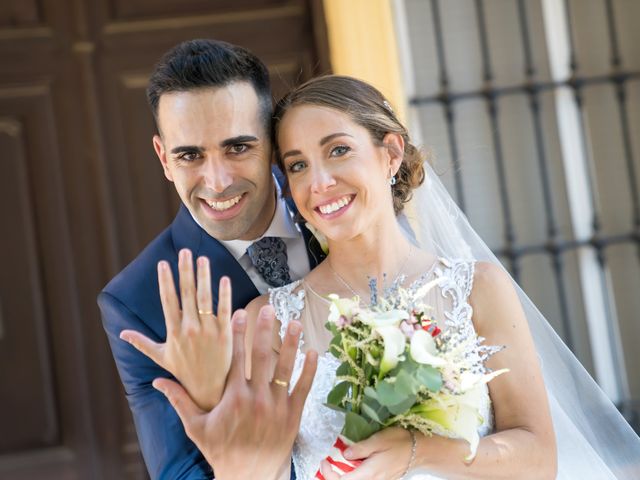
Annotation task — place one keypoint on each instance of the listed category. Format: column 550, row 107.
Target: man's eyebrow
column 328, row 138
column 239, row 139
column 187, row 148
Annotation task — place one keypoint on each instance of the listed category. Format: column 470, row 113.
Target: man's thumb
column 190, row 414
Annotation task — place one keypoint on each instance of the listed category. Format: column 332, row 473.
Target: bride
column 350, row 168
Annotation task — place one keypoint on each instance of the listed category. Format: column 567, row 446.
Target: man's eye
column 296, row 166
column 239, row 148
column 189, row 156
column 339, row 150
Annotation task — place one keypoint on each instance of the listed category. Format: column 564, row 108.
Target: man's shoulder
column 139, row 275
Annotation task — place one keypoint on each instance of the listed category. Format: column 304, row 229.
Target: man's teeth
column 332, row 207
column 227, row 204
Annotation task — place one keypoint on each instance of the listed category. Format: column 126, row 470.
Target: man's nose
column 217, row 175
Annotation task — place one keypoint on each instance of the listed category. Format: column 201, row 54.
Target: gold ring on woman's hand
column 205, row 312
column 281, row 383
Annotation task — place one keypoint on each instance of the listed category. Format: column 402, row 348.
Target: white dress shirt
column 284, row 227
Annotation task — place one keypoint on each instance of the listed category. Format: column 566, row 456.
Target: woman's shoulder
column 489, row 279
column 494, row 299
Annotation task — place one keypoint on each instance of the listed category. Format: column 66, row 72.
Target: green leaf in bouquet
column 344, row 369
column 368, row 370
column 372, row 409
column 429, row 377
column 337, row 408
column 331, row 327
column 406, row 384
column 387, row 394
column 357, row 428
column 408, row 365
column 370, row 392
column 335, row 346
column 338, row 392
column 403, row 406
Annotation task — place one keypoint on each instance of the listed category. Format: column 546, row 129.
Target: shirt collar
column 282, row 226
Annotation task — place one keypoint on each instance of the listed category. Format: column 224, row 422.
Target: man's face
column 214, row 148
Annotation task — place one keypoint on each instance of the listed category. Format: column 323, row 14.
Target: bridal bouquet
column 398, row 368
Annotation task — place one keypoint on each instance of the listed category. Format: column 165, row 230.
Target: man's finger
column 168, row 298
column 239, row 327
column 224, row 304
column 301, row 390
column 287, row 356
column 187, row 288
column 145, row 345
column 261, row 347
column 203, row 290
column 191, row 416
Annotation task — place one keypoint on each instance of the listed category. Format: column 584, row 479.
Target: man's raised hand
column 197, row 350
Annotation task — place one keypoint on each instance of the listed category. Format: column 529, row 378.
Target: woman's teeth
column 227, row 204
column 332, row 207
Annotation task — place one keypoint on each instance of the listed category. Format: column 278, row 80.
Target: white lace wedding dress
column 320, row 425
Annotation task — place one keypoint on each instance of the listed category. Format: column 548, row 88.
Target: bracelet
column 413, row 454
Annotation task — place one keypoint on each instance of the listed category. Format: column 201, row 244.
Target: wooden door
column 81, row 193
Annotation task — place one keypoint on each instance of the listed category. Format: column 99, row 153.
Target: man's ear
column 395, row 150
column 158, row 146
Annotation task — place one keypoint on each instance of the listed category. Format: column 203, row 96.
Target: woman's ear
column 395, row 148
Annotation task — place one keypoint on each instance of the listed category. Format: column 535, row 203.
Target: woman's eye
column 339, row 150
column 295, row 166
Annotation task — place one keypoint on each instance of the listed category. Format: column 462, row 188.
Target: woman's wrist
column 412, row 458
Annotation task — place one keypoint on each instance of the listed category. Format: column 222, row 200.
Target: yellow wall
column 363, row 44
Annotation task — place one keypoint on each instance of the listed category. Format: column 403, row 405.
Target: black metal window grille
column 498, row 128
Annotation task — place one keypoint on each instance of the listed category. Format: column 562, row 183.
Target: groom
column 212, row 105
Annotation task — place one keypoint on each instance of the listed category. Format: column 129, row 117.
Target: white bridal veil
column 594, row 440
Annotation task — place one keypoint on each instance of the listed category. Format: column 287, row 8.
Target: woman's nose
column 323, row 179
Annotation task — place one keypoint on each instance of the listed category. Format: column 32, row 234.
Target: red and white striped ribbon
column 339, row 464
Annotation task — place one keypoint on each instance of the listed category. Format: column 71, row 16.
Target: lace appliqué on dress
column 319, row 425
column 287, row 305
column 456, row 284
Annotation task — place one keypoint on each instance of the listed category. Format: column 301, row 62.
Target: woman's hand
column 199, row 344
column 386, row 455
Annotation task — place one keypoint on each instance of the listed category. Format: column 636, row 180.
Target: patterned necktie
column 269, row 256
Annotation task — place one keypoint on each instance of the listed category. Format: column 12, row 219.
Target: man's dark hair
column 205, row 63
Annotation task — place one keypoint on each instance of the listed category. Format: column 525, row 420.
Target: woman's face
column 338, row 177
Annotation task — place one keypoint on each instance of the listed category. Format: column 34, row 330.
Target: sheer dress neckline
column 428, row 273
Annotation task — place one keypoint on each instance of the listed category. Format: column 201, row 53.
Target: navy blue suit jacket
column 131, row 300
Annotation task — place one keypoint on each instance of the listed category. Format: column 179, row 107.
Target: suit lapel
column 188, row 234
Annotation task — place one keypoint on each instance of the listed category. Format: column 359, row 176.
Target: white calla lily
column 394, row 346
column 322, row 240
column 341, row 307
column 423, row 349
column 383, row 319
column 469, row 380
column 458, row 420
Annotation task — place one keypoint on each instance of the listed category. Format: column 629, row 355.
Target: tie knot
column 269, row 256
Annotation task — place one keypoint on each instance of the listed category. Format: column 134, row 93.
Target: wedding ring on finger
column 281, row 383
column 205, row 312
